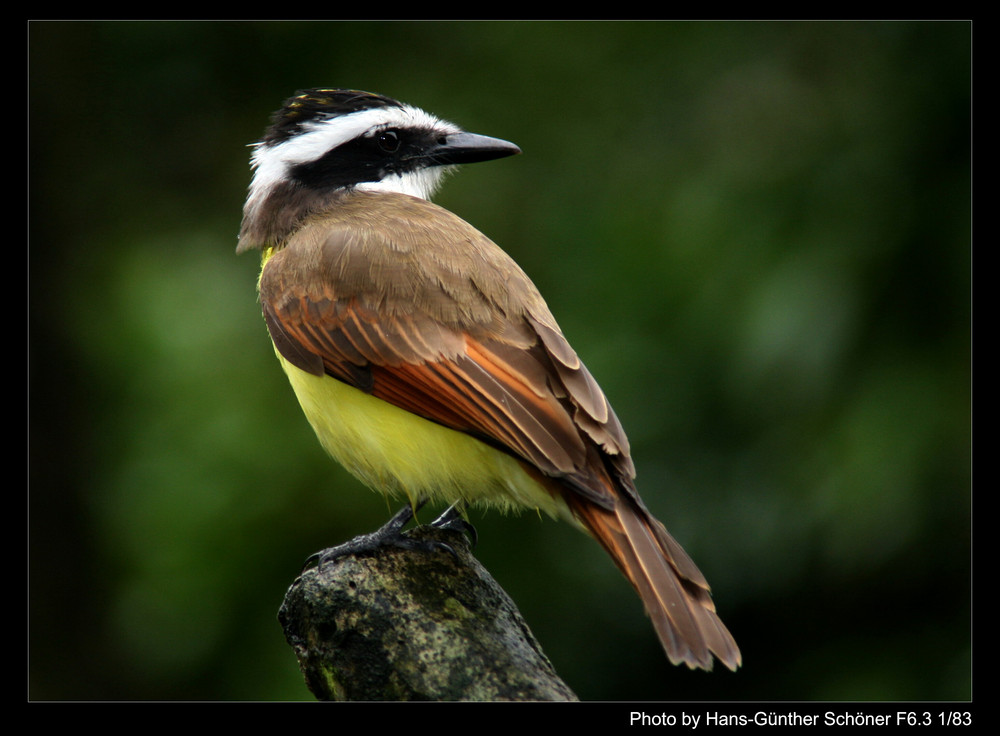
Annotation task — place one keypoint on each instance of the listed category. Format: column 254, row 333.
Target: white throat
column 423, row 183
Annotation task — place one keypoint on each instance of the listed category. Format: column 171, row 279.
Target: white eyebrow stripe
column 325, row 135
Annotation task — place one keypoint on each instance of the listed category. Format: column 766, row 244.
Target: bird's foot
column 391, row 535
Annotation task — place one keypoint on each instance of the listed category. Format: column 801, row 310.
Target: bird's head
column 325, row 141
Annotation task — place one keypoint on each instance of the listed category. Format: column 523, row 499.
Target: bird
column 426, row 360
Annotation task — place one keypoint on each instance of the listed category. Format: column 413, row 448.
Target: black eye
column 388, row 141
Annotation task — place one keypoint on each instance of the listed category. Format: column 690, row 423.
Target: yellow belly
column 400, row 454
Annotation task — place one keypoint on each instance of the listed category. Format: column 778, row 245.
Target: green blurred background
column 757, row 235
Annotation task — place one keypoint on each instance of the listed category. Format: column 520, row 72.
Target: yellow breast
column 401, row 454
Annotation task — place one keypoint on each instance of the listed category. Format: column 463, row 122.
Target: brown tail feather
column 672, row 588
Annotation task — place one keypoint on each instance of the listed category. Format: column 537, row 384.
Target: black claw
column 453, row 520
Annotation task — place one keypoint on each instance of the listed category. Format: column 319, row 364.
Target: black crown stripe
column 319, row 104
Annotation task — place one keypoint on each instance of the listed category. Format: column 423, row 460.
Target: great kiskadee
column 425, row 359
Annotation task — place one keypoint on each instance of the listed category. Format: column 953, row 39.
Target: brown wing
column 403, row 300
